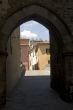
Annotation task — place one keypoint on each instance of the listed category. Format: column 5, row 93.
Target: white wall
column 13, row 60
column 33, row 59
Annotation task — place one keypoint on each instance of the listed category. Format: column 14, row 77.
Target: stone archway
column 63, row 42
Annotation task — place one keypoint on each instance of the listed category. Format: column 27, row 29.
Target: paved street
column 38, row 73
column 34, row 93
column 45, row 72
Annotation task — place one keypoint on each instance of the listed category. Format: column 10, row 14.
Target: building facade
column 43, row 55
column 33, row 58
column 24, row 45
column 39, row 56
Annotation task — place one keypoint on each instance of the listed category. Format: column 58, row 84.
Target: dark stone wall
column 63, row 10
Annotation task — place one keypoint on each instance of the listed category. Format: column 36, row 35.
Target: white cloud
column 28, row 34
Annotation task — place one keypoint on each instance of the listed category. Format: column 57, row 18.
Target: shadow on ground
column 34, row 93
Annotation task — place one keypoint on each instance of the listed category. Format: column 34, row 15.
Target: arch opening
column 56, row 55
column 58, row 43
column 18, row 44
column 39, row 45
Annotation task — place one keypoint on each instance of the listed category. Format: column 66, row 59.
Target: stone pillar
column 57, row 75
column 3, row 56
column 68, row 65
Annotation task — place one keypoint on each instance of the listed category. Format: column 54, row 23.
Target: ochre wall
column 43, row 57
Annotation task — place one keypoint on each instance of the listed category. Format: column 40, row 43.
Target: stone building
column 57, row 16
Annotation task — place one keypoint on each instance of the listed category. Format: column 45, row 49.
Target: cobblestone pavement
column 34, row 93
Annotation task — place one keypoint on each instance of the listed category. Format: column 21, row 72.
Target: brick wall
column 24, row 43
column 25, row 55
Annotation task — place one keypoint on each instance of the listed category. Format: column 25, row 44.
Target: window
column 48, row 61
column 47, row 50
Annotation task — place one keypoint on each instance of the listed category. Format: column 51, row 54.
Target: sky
column 34, row 30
